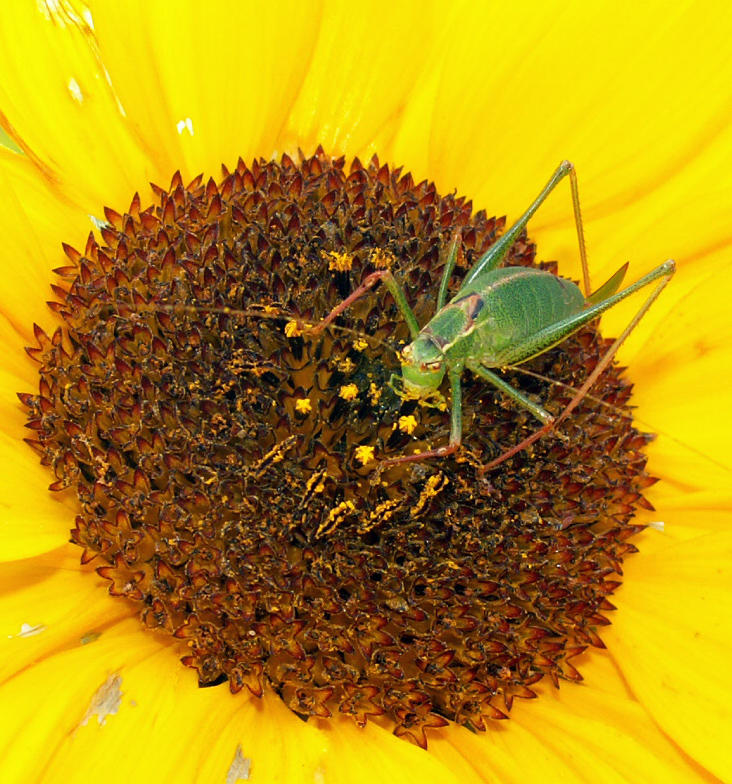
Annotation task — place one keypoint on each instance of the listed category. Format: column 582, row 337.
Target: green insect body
column 491, row 323
column 501, row 317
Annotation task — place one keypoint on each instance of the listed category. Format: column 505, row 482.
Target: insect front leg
column 456, row 426
column 369, row 282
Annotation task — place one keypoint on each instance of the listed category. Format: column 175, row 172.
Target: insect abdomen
column 518, row 302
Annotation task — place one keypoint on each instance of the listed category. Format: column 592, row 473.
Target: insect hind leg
column 665, row 271
column 369, row 282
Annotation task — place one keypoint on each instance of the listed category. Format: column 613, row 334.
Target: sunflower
column 98, row 100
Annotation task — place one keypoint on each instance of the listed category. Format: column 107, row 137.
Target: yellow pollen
column 292, row 329
column 382, row 514
column 434, row 485
column 374, row 394
column 346, row 366
column 407, row 424
column 364, row 454
column 275, row 455
column 303, row 405
column 348, row 392
column 433, row 400
column 338, row 262
column 315, row 483
column 335, row 517
column 360, row 345
column 382, row 259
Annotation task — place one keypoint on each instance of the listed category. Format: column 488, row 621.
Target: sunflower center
column 224, row 460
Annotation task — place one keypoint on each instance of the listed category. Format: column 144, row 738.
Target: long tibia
column 580, row 230
column 497, row 252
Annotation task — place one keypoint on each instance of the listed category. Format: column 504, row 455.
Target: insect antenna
column 262, row 312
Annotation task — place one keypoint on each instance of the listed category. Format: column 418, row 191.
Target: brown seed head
column 224, row 461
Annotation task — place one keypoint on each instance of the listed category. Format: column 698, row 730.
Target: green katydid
column 501, row 317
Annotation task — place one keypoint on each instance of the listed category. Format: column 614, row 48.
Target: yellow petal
column 589, row 732
column 34, row 221
column 18, row 374
column 44, row 705
column 218, row 80
column 33, row 519
column 63, row 92
column 623, row 95
column 681, row 515
column 50, row 603
column 664, row 222
column 671, row 637
column 360, row 756
column 351, row 100
column 684, row 366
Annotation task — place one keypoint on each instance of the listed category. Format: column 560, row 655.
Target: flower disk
column 226, row 460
